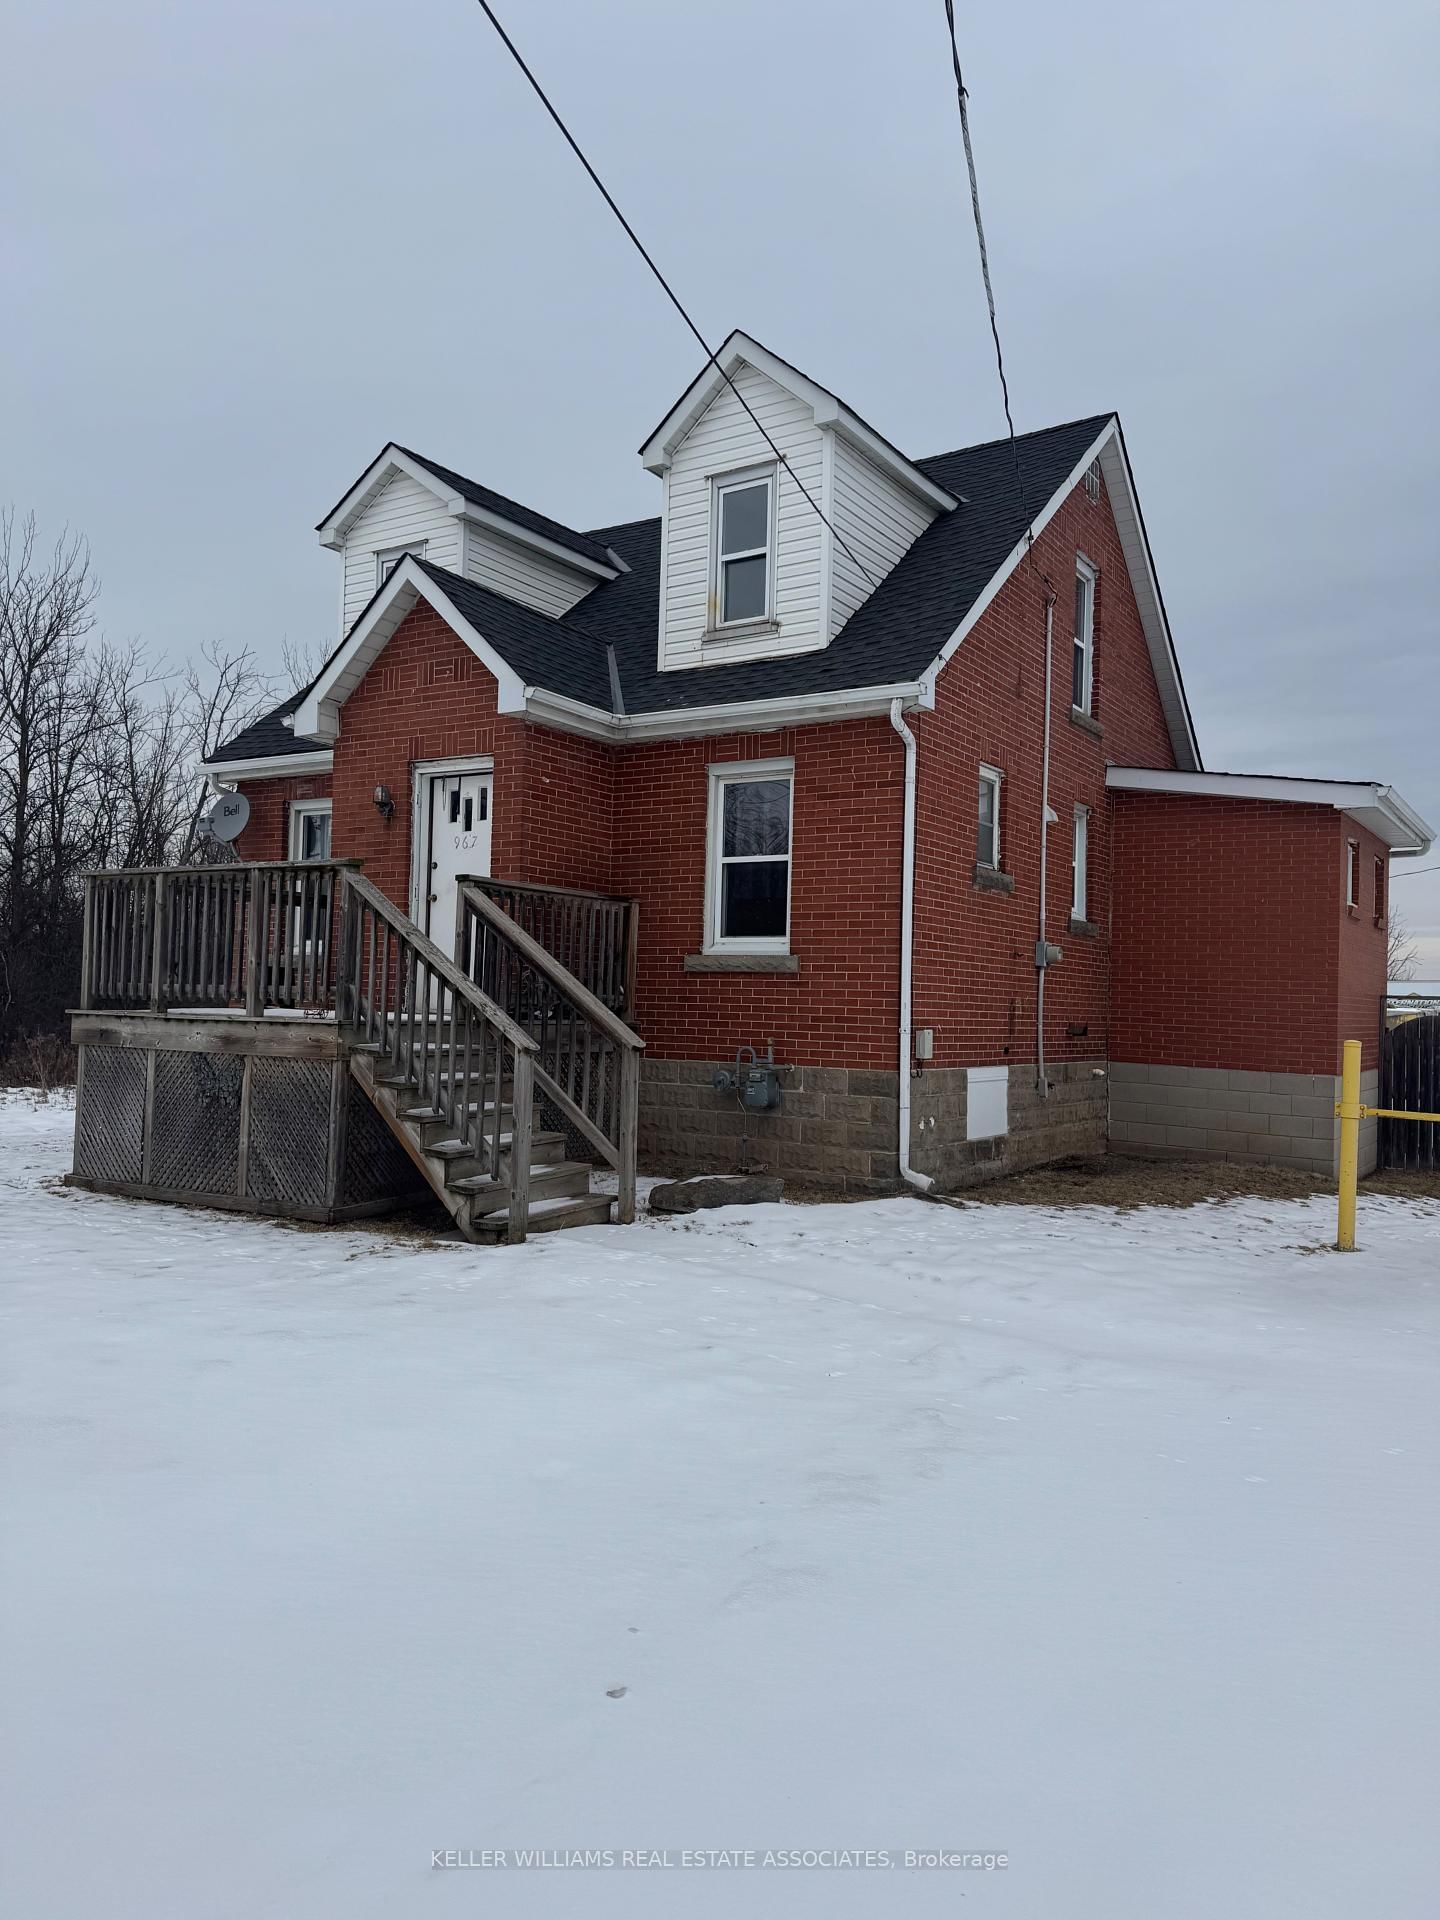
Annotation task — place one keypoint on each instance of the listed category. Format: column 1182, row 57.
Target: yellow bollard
column 1349, row 1143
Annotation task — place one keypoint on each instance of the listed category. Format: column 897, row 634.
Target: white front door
column 455, row 840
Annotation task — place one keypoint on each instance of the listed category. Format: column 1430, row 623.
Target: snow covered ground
column 1105, row 1542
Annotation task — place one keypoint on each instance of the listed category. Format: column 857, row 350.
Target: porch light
column 383, row 802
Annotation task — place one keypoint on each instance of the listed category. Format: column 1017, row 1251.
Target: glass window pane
column 1082, row 607
column 1077, row 682
column 757, row 817
column 745, row 518
column 754, row 899
column 314, row 836
column 744, row 588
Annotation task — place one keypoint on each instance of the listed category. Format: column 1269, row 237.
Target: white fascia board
column 686, row 723
column 1379, row 808
column 318, row 714
column 1107, row 449
column 827, row 409
column 276, row 766
column 333, row 530
column 467, row 511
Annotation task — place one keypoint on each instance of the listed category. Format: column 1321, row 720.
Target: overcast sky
column 248, row 244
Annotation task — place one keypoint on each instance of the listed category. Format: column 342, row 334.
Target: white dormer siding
column 402, row 514
column 520, row 573
column 405, row 514
column 876, row 520
column 848, row 506
column 725, row 440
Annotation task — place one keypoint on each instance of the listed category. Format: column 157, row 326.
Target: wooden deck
column 282, row 1039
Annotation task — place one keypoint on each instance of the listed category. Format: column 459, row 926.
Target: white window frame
column 989, row 777
column 299, row 810
column 1080, row 866
column 720, row 485
column 388, row 558
column 729, row 773
column 1085, row 642
column 1352, row 874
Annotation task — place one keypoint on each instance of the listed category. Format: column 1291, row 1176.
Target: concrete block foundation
column 1276, row 1119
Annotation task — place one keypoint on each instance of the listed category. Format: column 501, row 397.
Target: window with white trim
column 748, row 880
column 1082, row 677
column 743, row 544
column 987, row 838
column 1352, row 873
column 389, row 558
column 310, row 830
column 1381, row 874
column 1080, row 865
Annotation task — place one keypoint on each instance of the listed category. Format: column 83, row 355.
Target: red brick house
column 894, row 756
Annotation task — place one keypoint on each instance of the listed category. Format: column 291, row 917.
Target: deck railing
column 243, row 936
column 587, row 1063
column 592, row 935
column 459, row 1055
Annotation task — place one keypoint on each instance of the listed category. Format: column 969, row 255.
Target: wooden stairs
column 478, row 1200
column 476, row 1064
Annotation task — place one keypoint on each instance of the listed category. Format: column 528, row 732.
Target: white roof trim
column 688, row 723
column 1109, row 449
column 275, row 766
column 827, row 408
column 335, row 528
column 1379, row 808
column 318, row 714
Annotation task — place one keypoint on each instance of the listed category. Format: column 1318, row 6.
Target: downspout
column 1042, row 1085
column 921, row 1182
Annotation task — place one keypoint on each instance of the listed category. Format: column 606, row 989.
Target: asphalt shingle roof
column 582, row 543
column 903, row 625
column 894, row 636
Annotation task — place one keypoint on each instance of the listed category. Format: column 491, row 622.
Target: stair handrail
column 436, row 958
column 619, row 1151
column 439, row 1077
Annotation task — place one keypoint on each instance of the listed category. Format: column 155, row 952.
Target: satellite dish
column 228, row 817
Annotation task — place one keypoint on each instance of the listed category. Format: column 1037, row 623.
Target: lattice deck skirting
column 259, row 1116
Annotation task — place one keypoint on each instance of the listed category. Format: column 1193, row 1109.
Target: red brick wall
column 975, row 980
column 842, row 1007
column 1363, row 965
column 267, row 832
column 427, row 697
column 1233, row 944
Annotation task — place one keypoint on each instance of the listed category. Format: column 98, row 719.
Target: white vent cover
column 987, row 1102
column 1092, row 480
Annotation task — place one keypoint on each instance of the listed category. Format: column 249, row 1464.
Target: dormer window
column 742, row 584
column 389, row 558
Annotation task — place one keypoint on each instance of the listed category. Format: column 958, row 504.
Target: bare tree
column 1402, row 956
column 47, row 696
column 101, row 750
column 301, row 661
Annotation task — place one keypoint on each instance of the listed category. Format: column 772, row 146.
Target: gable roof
column 895, row 642
column 829, row 410
column 449, row 485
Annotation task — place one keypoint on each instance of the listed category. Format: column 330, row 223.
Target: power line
column 962, row 96
column 670, row 293
column 1413, row 873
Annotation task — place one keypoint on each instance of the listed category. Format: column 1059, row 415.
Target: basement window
column 748, row 879
column 744, row 547
column 987, row 838
column 1082, row 678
